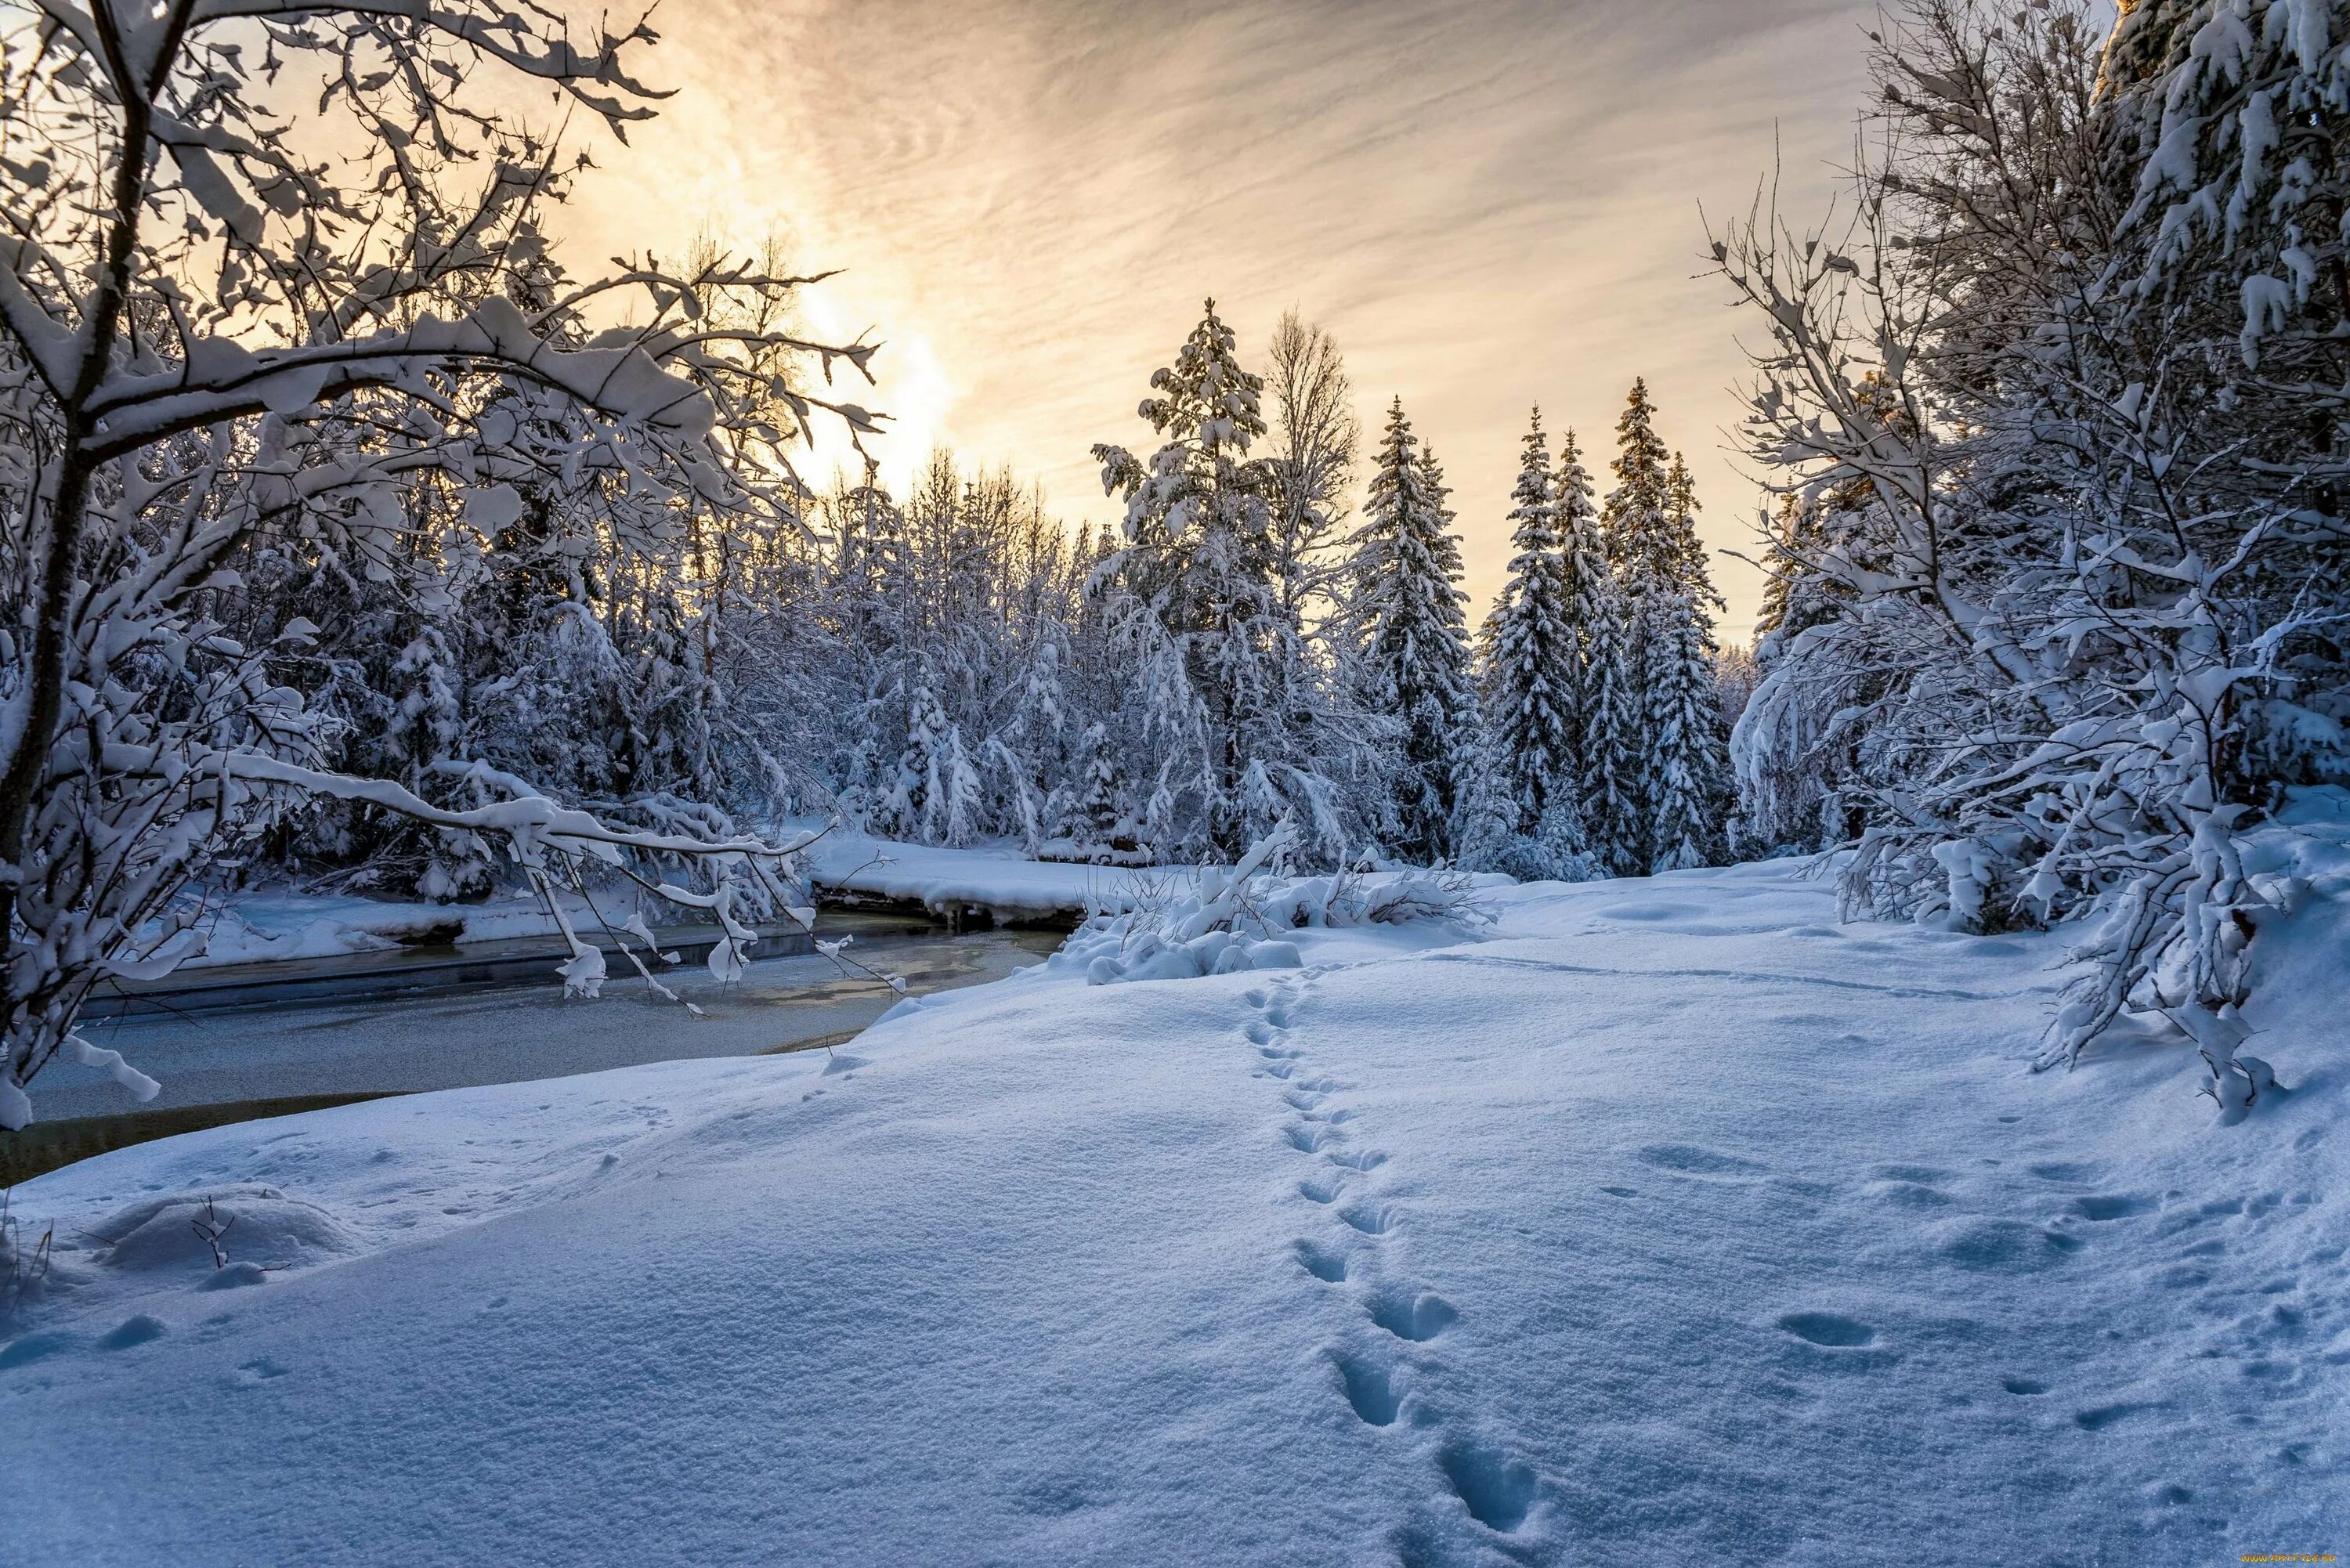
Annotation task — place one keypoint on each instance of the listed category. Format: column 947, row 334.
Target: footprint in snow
column 2103, row 1415
column 1497, row 1491
column 1314, row 1191
column 1370, row 1219
column 1686, row 1161
column 1416, row 1316
column 1324, row 1264
column 1307, row 1139
column 1831, row 1329
column 2001, row 1246
column 1374, row 1391
column 1356, row 1160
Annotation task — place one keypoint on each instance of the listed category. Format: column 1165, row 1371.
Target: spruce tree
column 1688, row 767
column 1643, row 548
column 1611, row 800
column 1687, row 551
column 1606, row 726
column 1199, row 557
column 1673, row 794
column 1532, row 654
column 1408, row 605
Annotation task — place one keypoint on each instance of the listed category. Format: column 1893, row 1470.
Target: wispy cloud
column 1489, row 204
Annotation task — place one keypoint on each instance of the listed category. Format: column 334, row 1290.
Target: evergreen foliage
column 1532, row 652
column 1405, row 602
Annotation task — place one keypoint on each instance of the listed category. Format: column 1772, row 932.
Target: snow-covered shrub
column 1237, row 918
column 2060, row 589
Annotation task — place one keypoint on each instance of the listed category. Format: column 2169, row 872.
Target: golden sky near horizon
column 1488, row 204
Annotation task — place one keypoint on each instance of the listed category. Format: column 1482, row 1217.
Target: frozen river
column 514, row 1032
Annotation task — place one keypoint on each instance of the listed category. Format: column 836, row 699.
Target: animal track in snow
column 1498, row 1490
column 1308, row 1139
column 2001, row 1246
column 1686, row 1161
column 2103, row 1415
column 1828, row 1328
column 1314, row 1191
column 1356, row 1160
column 1416, row 1316
column 1370, row 1219
column 1327, row 1266
column 1371, row 1388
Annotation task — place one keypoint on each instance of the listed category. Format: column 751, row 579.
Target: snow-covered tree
column 2071, row 375
column 1532, row 652
column 1607, row 721
column 1241, row 733
column 1405, row 601
column 233, row 315
column 1312, row 442
column 1673, row 805
column 1686, row 783
column 1644, row 547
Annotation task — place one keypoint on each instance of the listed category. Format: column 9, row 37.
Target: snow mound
column 254, row 1226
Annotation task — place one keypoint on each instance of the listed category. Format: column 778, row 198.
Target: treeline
column 953, row 665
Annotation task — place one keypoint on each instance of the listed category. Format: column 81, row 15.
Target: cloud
column 1488, row 204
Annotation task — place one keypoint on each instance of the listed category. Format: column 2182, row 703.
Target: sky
column 1489, row 205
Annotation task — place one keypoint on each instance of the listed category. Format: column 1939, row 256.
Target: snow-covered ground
column 1661, row 1222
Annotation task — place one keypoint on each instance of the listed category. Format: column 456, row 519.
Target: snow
column 277, row 924
column 1660, row 1222
column 267, row 927
column 995, row 878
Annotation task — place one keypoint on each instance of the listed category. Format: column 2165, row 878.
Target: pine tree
column 1532, row 656
column 1245, row 721
column 1674, row 794
column 1688, row 782
column 1201, row 557
column 1643, row 548
column 1606, row 727
column 1614, row 825
column 1407, row 603
column 1690, row 568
